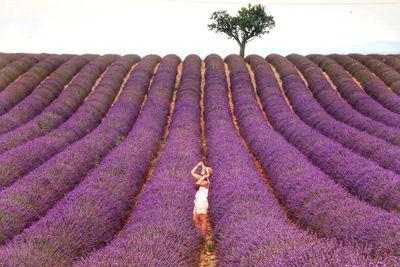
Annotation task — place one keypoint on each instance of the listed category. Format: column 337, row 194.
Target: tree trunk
column 242, row 47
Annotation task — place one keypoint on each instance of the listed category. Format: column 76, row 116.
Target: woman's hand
column 193, row 172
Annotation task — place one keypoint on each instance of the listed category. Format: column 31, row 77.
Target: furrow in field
column 370, row 83
column 353, row 94
column 10, row 72
column 20, row 160
column 308, row 109
column 43, row 95
column 25, row 85
column 309, row 195
column 386, row 73
column 160, row 230
column 30, row 197
column 93, row 212
column 62, row 108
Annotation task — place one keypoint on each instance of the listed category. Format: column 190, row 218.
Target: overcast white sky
column 180, row 27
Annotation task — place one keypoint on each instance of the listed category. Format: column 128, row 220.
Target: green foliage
column 249, row 23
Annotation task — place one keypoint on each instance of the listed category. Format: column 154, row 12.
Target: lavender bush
column 28, row 81
column 242, row 205
column 18, row 161
column 386, row 73
column 391, row 61
column 360, row 176
column 13, row 69
column 353, row 94
column 371, row 84
column 161, row 231
column 62, row 108
column 94, row 211
column 310, row 195
column 43, row 94
column 336, row 106
column 31, row 196
column 308, row 109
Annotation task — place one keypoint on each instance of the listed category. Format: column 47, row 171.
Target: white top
column 202, row 192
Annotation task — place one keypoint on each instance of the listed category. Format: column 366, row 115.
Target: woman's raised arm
column 193, row 172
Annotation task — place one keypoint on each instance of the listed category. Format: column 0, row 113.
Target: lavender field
column 96, row 153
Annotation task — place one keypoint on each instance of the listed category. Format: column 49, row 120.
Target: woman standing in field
column 201, row 202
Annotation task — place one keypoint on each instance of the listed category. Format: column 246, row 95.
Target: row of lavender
column 309, row 110
column 385, row 70
column 332, row 257
column 43, row 94
column 353, row 93
column 27, row 82
column 92, row 213
column 160, row 231
column 12, row 69
column 61, row 108
column 309, row 194
column 32, row 195
column 18, row 161
column 324, row 92
column 6, row 59
column 371, row 84
column 359, row 175
column 260, row 234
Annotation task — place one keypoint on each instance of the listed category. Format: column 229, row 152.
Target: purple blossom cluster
column 251, row 229
column 32, row 195
column 27, row 82
column 160, row 231
column 43, row 94
column 62, row 108
column 386, row 73
column 353, row 94
column 93, row 212
column 391, row 61
column 313, row 198
column 20, row 160
column 359, row 175
column 14, row 68
column 308, row 194
column 309, row 110
column 370, row 83
column 329, row 99
column 7, row 58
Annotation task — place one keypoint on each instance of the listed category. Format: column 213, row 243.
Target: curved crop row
column 260, row 234
column 309, row 194
column 24, row 158
column 62, row 108
column 11, row 71
column 370, row 83
column 336, row 106
column 32, row 195
column 391, row 61
column 359, row 175
column 353, row 94
column 43, row 94
column 308, row 109
column 6, row 59
column 161, row 231
column 386, row 73
column 92, row 213
column 18, row 90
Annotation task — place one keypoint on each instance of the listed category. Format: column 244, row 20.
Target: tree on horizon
column 249, row 23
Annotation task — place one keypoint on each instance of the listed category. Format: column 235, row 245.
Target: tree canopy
column 249, row 23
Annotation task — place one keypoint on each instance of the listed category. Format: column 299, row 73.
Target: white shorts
column 200, row 206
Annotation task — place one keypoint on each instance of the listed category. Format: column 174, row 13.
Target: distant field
column 96, row 153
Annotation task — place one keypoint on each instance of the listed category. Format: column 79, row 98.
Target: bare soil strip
column 160, row 149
